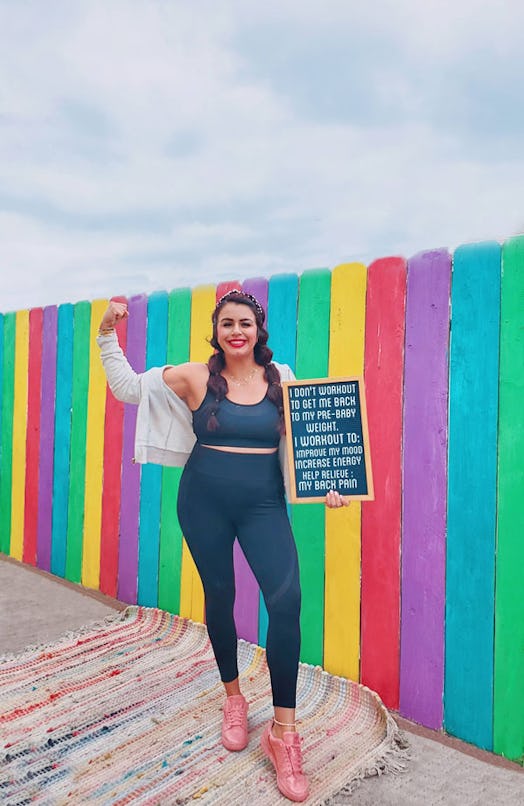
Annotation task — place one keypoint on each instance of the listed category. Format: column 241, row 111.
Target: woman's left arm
column 334, row 500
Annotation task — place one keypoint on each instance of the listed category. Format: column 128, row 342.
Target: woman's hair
column 217, row 384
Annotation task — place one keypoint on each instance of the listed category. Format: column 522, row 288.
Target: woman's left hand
column 335, row 500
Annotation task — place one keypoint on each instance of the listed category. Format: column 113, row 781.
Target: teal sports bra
column 241, row 425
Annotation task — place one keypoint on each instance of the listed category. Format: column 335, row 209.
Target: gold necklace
column 245, row 380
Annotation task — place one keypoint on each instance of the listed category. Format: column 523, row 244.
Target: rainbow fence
column 418, row 594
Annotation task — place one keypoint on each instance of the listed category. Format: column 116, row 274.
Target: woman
column 224, row 421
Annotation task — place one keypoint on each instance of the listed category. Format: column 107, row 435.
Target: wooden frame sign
column 327, row 439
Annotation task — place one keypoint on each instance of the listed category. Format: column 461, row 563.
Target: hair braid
column 274, row 393
column 217, row 385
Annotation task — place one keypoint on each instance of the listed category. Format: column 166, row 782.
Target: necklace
column 245, row 380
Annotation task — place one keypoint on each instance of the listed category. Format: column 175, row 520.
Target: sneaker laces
column 234, row 714
column 295, row 758
column 290, row 757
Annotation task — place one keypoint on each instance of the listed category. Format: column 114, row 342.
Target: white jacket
column 164, row 424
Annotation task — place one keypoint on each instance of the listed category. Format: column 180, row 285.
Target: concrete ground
column 36, row 608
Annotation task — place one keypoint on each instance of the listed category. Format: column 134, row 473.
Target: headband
column 253, row 299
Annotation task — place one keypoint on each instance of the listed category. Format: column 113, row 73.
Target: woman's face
column 237, row 331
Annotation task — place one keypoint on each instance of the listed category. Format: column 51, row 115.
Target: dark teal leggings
column 226, row 495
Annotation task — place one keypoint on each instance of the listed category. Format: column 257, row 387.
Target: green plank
column 309, row 519
column 170, row 563
column 75, row 511
column 509, row 596
column 6, row 442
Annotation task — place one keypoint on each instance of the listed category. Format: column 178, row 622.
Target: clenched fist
column 114, row 314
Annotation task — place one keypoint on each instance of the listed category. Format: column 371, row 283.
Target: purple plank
column 130, row 489
column 47, row 438
column 247, row 598
column 424, row 488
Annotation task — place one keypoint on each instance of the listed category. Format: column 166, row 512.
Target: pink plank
column 247, row 597
column 113, row 441
column 47, row 438
column 130, row 490
column 424, row 487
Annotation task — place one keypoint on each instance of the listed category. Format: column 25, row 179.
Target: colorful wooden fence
column 418, row 594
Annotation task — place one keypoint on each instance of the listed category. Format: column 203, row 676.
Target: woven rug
column 128, row 711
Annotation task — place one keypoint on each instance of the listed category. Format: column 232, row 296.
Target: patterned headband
column 253, row 299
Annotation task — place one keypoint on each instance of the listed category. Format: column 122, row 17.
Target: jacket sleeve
column 123, row 381
column 286, row 374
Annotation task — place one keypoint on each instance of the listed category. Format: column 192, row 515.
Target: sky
column 158, row 144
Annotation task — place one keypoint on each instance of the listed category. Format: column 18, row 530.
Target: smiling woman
column 224, row 422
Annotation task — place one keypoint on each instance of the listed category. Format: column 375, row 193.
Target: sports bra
column 241, row 425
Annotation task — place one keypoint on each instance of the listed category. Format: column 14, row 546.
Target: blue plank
column 472, row 479
column 282, row 329
column 151, row 481
column 62, row 447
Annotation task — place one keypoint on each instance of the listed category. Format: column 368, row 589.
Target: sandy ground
column 36, row 608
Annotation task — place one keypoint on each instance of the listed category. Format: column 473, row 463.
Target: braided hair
column 217, row 384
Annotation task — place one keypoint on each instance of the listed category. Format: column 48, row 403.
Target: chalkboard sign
column 327, row 439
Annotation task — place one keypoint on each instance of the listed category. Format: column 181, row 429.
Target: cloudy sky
column 152, row 144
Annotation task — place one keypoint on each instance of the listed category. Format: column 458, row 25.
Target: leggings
column 224, row 495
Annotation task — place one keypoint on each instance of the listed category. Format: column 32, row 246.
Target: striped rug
column 128, row 711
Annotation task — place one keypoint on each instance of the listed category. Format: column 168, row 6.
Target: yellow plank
column 96, row 406
column 342, row 569
column 188, row 573
column 202, row 304
column 19, row 434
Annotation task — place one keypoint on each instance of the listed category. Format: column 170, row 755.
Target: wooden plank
column 112, row 476
column 509, row 601
column 202, row 304
column 62, row 447
column 472, row 490
column 6, row 452
column 308, row 521
column 19, row 434
column 96, row 404
column 151, row 482
column 247, row 590
column 282, row 329
column 342, row 563
column 1, row 365
column 1, row 412
column 130, row 490
column 246, row 586
column 77, row 474
column 170, row 560
column 47, row 437
column 425, row 484
column 32, row 458
column 382, row 518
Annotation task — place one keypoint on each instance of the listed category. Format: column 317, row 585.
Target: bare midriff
column 231, row 449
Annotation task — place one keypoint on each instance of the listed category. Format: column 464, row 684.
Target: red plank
column 36, row 318
column 381, row 518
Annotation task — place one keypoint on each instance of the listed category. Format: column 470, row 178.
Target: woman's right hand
column 115, row 312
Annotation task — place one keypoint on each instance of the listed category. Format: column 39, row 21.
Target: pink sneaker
column 234, row 723
column 286, row 756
